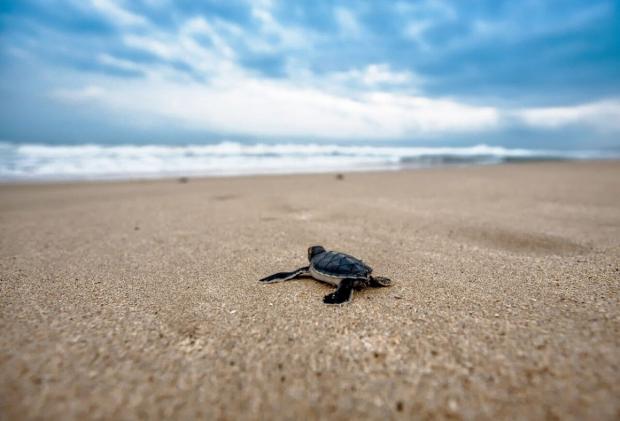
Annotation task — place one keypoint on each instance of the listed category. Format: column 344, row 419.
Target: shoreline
column 31, row 162
column 183, row 177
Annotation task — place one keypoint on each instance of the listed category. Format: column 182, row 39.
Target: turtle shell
column 341, row 265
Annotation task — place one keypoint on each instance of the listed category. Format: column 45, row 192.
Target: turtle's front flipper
column 380, row 281
column 343, row 293
column 285, row 276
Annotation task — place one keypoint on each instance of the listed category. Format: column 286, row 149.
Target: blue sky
column 515, row 73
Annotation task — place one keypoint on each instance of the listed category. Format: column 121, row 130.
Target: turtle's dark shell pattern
column 341, row 265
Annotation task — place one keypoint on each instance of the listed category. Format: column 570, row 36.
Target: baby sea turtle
column 337, row 269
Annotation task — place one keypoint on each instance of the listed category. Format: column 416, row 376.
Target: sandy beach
column 127, row 300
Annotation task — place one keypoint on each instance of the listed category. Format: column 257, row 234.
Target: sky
column 515, row 73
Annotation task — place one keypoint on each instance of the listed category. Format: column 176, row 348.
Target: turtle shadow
column 325, row 288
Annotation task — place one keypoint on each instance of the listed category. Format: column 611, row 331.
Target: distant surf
column 90, row 161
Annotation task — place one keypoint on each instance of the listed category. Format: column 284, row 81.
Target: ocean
column 39, row 162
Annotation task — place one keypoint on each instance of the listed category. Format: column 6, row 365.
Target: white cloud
column 375, row 75
column 415, row 29
column 117, row 62
column 149, row 43
column 381, row 73
column 262, row 107
column 117, row 13
column 602, row 115
column 85, row 94
column 275, row 36
column 349, row 26
column 183, row 47
column 199, row 26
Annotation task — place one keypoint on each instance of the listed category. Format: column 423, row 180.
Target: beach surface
column 127, row 300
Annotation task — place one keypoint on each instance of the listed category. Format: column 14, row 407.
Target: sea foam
column 91, row 161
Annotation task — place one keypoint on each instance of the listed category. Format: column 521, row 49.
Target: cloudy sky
column 515, row 73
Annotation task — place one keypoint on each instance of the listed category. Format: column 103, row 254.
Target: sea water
column 93, row 161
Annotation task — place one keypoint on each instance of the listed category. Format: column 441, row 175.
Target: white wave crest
column 91, row 161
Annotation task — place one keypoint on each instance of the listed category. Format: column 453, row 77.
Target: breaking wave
column 91, row 161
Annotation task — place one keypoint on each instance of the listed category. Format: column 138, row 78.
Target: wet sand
column 130, row 300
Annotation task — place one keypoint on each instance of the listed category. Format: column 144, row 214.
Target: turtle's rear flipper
column 379, row 281
column 342, row 294
column 285, row 276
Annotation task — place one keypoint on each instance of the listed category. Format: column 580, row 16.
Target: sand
column 128, row 300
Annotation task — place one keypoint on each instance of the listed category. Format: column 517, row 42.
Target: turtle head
column 315, row 251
